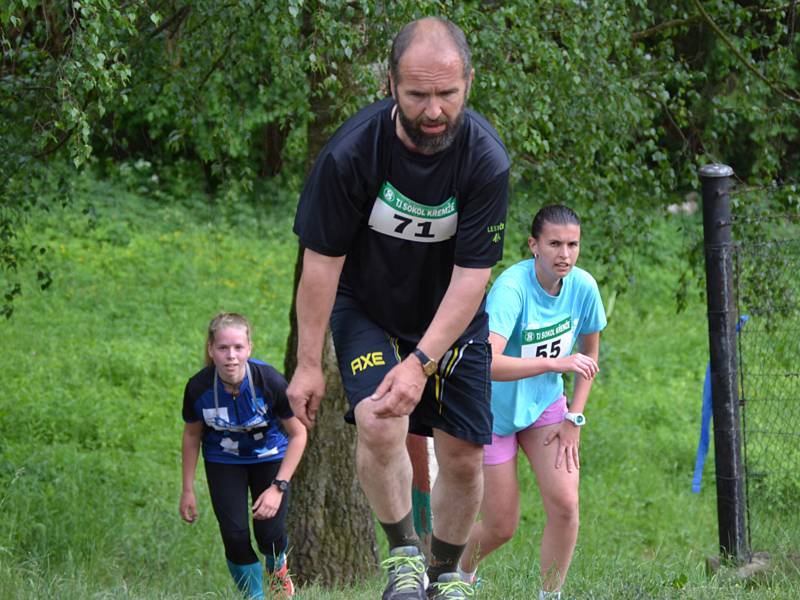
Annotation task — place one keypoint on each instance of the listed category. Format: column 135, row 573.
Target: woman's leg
column 270, row 533
column 227, row 486
column 559, row 491
column 499, row 514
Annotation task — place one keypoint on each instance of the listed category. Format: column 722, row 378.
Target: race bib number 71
column 550, row 341
column 398, row 216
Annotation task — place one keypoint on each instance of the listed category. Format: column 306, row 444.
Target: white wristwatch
column 577, row 419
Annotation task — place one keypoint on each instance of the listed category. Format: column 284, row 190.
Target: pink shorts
column 504, row 447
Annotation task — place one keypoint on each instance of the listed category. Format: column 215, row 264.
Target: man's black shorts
column 456, row 399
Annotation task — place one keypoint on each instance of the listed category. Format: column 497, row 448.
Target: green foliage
column 607, row 108
column 717, row 104
column 61, row 66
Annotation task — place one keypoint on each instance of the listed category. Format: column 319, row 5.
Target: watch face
column 429, row 368
column 576, row 418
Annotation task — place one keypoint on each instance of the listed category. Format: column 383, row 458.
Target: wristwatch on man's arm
column 429, row 366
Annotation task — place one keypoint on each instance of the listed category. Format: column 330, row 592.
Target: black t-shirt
column 403, row 218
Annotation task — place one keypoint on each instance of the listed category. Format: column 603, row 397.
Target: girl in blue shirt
column 236, row 409
column 538, row 309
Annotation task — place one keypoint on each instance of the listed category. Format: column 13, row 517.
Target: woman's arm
column 268, row 503
column 512, row 368
column 294, row 451
column 569, row 434
column 589, row 345
column 190, row 450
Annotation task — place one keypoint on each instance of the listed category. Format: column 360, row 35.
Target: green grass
column 93, row 377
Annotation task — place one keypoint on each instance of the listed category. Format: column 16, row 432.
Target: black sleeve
column 330, row 211
column 190, row 395
column 275, row 385
column 481, row 225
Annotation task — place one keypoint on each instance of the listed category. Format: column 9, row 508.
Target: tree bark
column 331, row 529
column 331, row 532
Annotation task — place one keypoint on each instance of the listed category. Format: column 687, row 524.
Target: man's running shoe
column 407, row 578
column 280, row 583
column 450, row 586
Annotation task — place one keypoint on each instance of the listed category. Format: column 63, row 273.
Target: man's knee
column 382, row 439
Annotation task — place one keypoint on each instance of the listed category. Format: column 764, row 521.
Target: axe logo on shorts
column 370, row 359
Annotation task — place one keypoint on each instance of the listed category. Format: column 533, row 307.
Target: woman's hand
column 268, row 503
column 188, row 507
column 569, row 439
column 581, row 364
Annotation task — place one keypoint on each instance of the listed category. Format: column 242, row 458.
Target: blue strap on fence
column 705, row 421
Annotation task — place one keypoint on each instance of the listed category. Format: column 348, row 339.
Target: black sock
column 444, row 558
column 402, row 533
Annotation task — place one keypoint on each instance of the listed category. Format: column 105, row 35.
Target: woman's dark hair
column 555, row 214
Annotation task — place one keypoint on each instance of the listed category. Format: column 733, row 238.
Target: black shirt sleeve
column 275, row 385
column 330, row 211
column 481, row 227
column 192, row 391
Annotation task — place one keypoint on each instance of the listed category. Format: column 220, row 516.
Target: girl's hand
column 581, row 364
column 569, row 439
column 188, row 507
column 268, row 503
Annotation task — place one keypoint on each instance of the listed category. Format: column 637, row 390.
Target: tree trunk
column 273, row 140
column 332, row 535
column 331, row 531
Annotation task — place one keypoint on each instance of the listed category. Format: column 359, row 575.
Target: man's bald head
column 433, row 31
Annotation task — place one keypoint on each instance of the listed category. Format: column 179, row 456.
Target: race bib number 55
column 550, row 341
column 398, row 216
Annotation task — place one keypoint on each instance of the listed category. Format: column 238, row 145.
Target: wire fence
column 766, row 254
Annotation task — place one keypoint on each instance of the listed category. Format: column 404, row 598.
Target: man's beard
column 428, row 143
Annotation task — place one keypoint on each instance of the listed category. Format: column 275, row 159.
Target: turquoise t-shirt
column 537, row 324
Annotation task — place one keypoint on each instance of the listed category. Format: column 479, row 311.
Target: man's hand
column 305, row 393
column 569, row 438
column 401, row 389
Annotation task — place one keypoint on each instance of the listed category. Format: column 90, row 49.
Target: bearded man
column 401, row 221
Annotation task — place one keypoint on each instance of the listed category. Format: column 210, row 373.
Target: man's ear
column 392, row 91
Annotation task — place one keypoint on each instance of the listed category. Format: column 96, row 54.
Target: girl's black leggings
column 228, row 486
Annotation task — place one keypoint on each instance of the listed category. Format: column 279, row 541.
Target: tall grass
column 90, row 415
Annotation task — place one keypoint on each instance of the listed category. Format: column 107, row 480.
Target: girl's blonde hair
column 222, row 321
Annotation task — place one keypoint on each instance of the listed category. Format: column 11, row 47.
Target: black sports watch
column 282, row 484
column 429, row 366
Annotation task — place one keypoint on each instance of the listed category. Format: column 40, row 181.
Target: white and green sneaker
column 407, row 578
column 450, row 586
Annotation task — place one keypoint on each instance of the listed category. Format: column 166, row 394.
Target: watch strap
column 429, row 366
column 575, row 418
